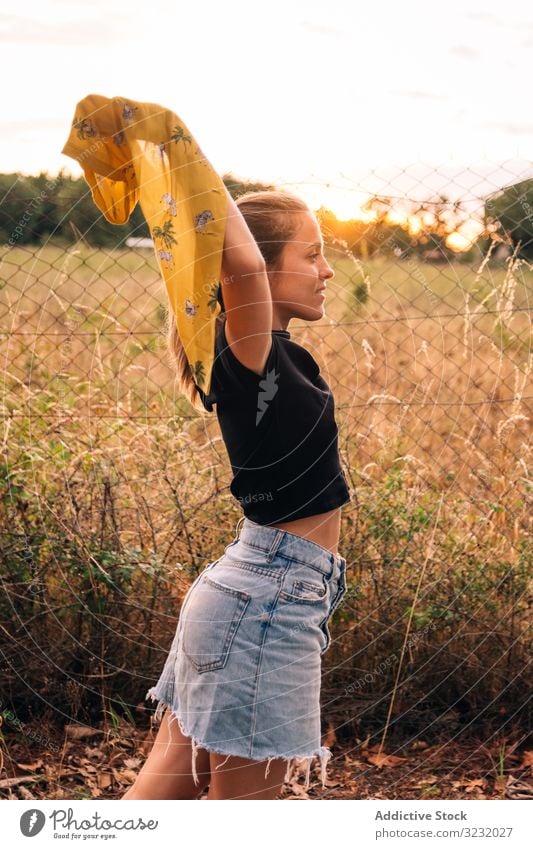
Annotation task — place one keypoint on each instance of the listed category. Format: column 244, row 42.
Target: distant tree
column 364, row 238
column 438, row 219
column 37, row 208
column 77, row 207
column 511, row 212
column 238, row 187
column 19, row 209
column 391, row 239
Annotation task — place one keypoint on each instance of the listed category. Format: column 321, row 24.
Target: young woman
column 241, row 683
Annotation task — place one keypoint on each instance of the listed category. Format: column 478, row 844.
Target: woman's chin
column 309, row 313
column 316, row 313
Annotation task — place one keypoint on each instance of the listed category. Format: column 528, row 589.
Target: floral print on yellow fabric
column 132, row 152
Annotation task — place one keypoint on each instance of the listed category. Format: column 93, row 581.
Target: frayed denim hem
column 323, row 753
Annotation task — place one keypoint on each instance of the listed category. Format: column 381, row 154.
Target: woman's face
column 297, row 286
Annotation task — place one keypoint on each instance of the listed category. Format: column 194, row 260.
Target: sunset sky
column 397, row 98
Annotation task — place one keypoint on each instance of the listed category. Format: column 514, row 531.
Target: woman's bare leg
column 241, row 778
column 167, row 773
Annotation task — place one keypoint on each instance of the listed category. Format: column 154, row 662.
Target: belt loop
column 237, row 529
column 275, row 545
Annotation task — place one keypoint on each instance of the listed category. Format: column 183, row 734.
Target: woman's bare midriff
column 322, row 528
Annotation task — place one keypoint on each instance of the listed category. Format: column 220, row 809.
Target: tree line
column 37, row 209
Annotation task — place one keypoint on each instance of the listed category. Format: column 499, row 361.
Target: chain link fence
column 113, row 487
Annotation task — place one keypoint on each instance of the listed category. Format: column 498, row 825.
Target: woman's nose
column 328, row 271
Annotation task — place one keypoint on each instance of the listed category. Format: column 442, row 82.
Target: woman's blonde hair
column 272, row 217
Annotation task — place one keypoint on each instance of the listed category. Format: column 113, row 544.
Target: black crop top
column 279, row 430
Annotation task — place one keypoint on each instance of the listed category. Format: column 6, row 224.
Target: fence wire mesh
column 421, row 341
column 426, row 344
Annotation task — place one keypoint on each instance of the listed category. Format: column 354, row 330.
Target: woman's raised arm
column 246, row 293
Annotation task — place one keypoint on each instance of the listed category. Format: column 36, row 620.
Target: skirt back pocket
column 210, row 621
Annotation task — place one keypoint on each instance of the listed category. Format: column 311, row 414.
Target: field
column 114, row 492
column 437, row 357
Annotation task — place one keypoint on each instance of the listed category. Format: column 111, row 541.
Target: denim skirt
column 243, row 673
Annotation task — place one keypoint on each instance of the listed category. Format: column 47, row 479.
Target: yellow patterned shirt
column 140, row 152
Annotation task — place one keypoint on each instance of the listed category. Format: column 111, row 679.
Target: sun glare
column 346, row 205
column 414, row 225
column 462, row 239
column 394, row 217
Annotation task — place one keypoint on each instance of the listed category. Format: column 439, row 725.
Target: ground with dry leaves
column 93, row 763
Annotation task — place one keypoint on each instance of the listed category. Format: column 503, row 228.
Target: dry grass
column 114, row 493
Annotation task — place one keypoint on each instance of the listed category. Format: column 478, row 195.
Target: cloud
column 426, row 95
column 485, row 16
column 463, row 51
column 323, row 29
column 513, row 129
column 15, row 29
column 7, row 127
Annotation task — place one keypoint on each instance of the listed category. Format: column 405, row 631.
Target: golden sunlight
column 394, row 217
column 457, row 242
column 414, row 225
column 343, row 203
column 347, row 205
column 465, row 236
